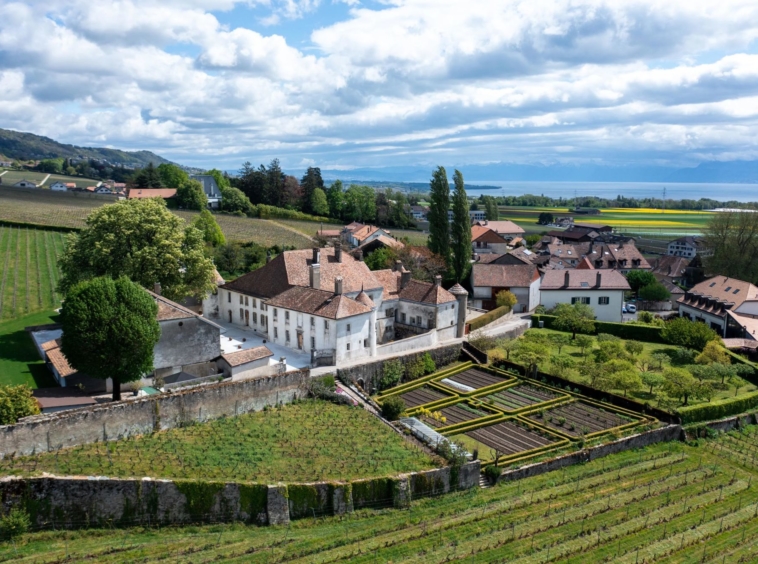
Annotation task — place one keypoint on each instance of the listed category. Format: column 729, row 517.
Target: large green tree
column 319, row 203
column 576, row 318
column 732, row 241
column 148, row 177
column 690, row 334
column 171, row 175
column 335, row 195
column 233, row 199
column 360, row 203
column 460, row 231
column 311, row 182
column 16, row 402
column 490, row 208
column 639, row 279
column 190, row 195
column 210, row 229
column 439, row 224
column 110, row 330
column 655, row 292
column 144, row 241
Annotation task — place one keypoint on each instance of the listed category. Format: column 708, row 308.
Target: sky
column 346, row 84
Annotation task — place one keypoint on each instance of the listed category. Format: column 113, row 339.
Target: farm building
column 602, row 290
column 247, row 363
column 506, row 229
column 522, row 280
column 25, row 184
column 328, row 304
column 485, row 240
column 687, row 247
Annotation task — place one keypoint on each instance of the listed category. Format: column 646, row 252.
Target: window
column 326, row 325
column 580, row 301
column 365, row 343
column 313, row 343
column 603, row 300
column 313, row 322
column 255, row 318
column 254, row 302
column 390, row 312
column 242, row 313
column 287, row 336
column 276, row 333
column 276, row 311
column 229, row 297
column 402, row 316
column 240, row 299
column 348, row 327
column 418, row 320
column 246, row 301
column 286, row 316
column 586, row 301
column 348, row 346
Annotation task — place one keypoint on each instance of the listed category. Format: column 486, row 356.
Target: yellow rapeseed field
column 655, row 211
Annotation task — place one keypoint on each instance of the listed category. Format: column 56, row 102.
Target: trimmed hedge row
column 39, row 226
column 646, row 333
column 264, row 211
column 488, row 317
column 719, row 409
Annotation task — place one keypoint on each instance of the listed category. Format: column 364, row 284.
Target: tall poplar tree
column 460, row 231
column 439, row 226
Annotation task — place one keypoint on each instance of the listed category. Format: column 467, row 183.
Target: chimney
column 316, row 255
column 438, row 280
column 398, row 266
column 157, row 288
column 566, row 279
column 486, row 222
column 338, row 251
column 359, row 255
column 268, row 257
column 338, row 285
column 315, row 276
column 597, row 280
column 405, row 277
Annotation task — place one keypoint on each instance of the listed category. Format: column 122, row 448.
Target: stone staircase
column 484, row 482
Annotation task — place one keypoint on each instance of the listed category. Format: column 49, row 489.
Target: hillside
column 27, row 146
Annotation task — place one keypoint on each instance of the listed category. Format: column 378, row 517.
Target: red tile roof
column 725, row 289
column 504, row 275
column 60, row 362
column 424, row 292
column 485, row 235
column 239, row 358
column 137, row 193
column 584, row 280
column 390, row 281
column 505, row 226
column 318, row 302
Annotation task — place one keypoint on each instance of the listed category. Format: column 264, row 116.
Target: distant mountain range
column 738, row 172
column 27, row 146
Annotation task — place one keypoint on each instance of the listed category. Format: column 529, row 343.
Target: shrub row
column 39, row 226
column 488, row 318
column 265, row 212
column 630, row 331
column 719, row 409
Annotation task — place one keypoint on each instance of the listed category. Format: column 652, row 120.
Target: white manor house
column 329, row 304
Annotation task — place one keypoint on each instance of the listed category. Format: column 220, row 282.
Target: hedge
column 264, row 211
column 488, row 318
column 646, row 333
column 719, row 409
column 737, row 359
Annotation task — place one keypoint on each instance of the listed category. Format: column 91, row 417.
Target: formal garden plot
column 421, row 396
column 509, row 437
column 453, row 415
column 580, row 418
column 518, row 397
column 303, row 442
column 471, row 380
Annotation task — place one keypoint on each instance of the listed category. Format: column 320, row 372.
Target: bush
column 645, row 333
column 488, row 318
column 492, row 473
column 606, row 337
column 685, row 333
column 265, row 212
column 392, row 408
column 391, row 374
column 16, row 402
column 506, row 299
column 414, row 369
column 719, row 409
column 429, row 365
column 14, row 523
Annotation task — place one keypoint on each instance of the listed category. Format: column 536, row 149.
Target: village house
column 140, row 193
column 419, row 213
column 58, row 187
column 211, row 189
column 485, row 240
column 330, row 305
column 506, row 229
column 727, row 305
column 623, row 257
column 687, row 247
column 671, row 268
column 602, row 290
column 25, row 184
column 474, row 215
column 357, row 234
column 522, row 280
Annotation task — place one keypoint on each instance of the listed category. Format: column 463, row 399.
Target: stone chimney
column 438, row 280
column 338, row 285
column 461, row 295
column 315, row 276
column 598, row 280
column 359, row 255
column 398, row 266
column 405, row 277
column 566, row 279
column 338, row 251
column 316, row 255
column 157, row 288
column 268, row 257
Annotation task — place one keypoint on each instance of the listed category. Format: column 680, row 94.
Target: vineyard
column 504, row 418
column 29, row 274
column 303, row 442
column 669, row 503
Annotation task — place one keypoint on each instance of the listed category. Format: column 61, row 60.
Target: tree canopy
column 655, row 292
column 110, row 330
column 507, row 299
column 460, row 231
column 545, row 218
column 576, row 318
column 439, row 224
column 16, row 402
column 171, row 175
column 190, row 195
column 207, row 225
column 732, row 238
column 690, row 334
column 640, row 278
column 148, row 177
column 144, row 241
column 319, row 203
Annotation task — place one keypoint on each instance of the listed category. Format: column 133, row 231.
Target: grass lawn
column 303, row 442
column 20, row 362
column 671, row 503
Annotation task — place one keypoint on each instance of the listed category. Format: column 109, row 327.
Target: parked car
column 623, row 309
column 631, row 308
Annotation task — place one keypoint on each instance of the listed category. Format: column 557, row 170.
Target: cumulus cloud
column 401, row 82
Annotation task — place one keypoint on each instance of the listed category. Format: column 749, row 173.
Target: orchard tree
column 713, row 353
column 690, row 334
column 530, row 354
column 627, row 380
column 679, row 384
column 634, row 347
column 576, row 318
column 584, row 342
column 460, row 231
column 652, row 380
column 439, row 224
column 144, row 241
column 110, row 330
column 207, row 225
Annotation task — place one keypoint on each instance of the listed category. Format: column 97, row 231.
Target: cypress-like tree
column 460, row 231
column 439, row 226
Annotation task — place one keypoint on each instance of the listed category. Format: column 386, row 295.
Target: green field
column 627, row 220
column 12, row 176
column 303, row 442
column 669, row 503
column 20, row 363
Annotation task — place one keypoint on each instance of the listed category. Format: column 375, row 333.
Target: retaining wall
column 663, row 434
column 82, row 502
column 371, row 372
column 118, row 420
column 724, row 425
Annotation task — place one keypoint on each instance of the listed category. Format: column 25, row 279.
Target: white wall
column 685, row 310
column 356, row 337
column 526, row 296
column 444, row 314
column 610, row 312
column 410, row 344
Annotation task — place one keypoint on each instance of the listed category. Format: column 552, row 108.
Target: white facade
column 58, row 187
column 606, row 304
column 680, row 248
column 474, row 215
column 24, row 184
column 715, row 322
column 484, row 247
column 528, row 296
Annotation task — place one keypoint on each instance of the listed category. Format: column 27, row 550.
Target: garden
column 308, row 441
column 503, row 418
column 667, row 503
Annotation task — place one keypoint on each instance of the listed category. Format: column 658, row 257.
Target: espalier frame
column 524, row 416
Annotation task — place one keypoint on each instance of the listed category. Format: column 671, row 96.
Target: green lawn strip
column 20, row 363
column 40, row 269
column 296, row 443
column 18, row 265
column 5, row 236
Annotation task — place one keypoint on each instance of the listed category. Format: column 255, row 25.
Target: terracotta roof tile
column 318, row 302
column 504, row 275
column 584, row 280
column 384, row 240
column 424, row 292
column 137, row 193
column 60, row 362
column 390, row 281
column 49, row 345
column 585, row 264
column 485, row 235
column 725, row 289
column 504, row 226
column 239, row 358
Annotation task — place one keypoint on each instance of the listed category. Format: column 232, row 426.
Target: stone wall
column 368, row 375
column 82, row 502
column 114, row 421
column 663, row 434
column 724, row 425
